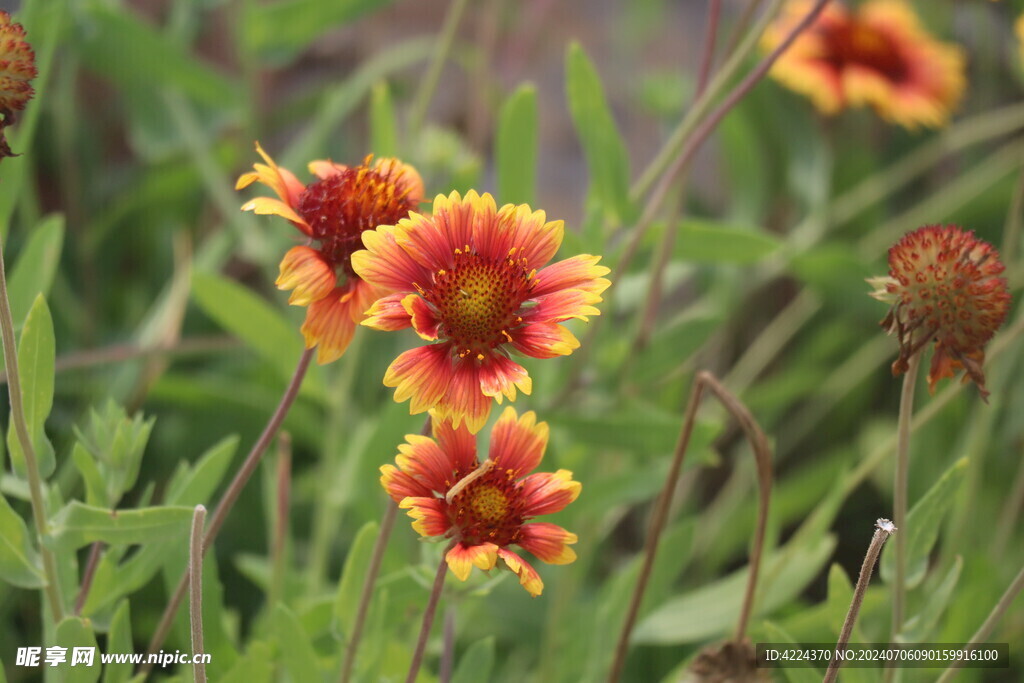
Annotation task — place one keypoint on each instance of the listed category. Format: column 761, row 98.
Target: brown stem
column 444, row 673
column 428, row 616
column 762, row 455
column 387, row 523
column 230, row 496
column 95, row 553
column 883, row 530
column 195, row 571
column 708, row 55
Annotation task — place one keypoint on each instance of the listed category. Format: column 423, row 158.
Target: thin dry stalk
column 95, row 553
column 428, row 616
column 279, row 557
column 883, row 529
column 899, row 502
column 762, row 455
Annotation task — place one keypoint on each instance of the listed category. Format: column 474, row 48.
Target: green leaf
column 840, row 593
column 346, row 602
column 134, row 54
column 78, row 524
column 249, row 318
column 383, row 125
column 792, row 674
column 36, row 356
column 19, row 561
column 477, row 663
column 75, row 632
column 195, row 485
column 297, row 653
column 516, row 147
column 637, row 428
column 607, row 160
column 33, row 272
column 923, row 524
column 119, row 639
column 257, row 666
column 784, row 575
column 705, row 241
column 919, row 628
column 95, row 490
column 281, row 29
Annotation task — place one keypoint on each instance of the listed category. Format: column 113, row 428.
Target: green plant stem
column 227, row 501
column 279, row 546
column 1014, row 220
column 428, row 617
column 899, row 495
column 387, row 523
column 762, row 454
column 882, row 532
column 195, row 572
column 35, row 483
column 429, row 83
column 982, row 634
column 95, row 553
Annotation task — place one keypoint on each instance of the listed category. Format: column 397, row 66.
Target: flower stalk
column 231, row 495
column 428, row 616
column 195, row 572
column 35, row 482
column 883, row 529
column 899, row 498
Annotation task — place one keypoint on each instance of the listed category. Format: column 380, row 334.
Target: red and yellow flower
column 332, row 213
column 472, row 278
column 879, row 56
column 485, row 507
column 17, row 69
column 945, row 285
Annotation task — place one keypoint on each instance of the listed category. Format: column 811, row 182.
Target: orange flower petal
column 385, row 264
column 422, row 374
column 528, row 576
column 387, row 313
column 325, row 169
column 544, row 340
column 563, row 305
column 424, row 320
column 305, row 272
column 465, row 401
column 266, row 206
column 578, row 272
column 406, row 178
column 422, row 459
column 428, row 515
column 462, row 558
column 533, row 238
column 500, row 376
column 329, row 326
column 548, row 492
column 458, row 444
column 517, row 445
column 549, row 542
column 400, row 485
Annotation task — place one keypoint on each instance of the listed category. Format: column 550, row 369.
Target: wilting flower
column 17, row 68
column 944, row 285
column 332, row 213
column 485, row 507
column 879, row 56
column 472, row 278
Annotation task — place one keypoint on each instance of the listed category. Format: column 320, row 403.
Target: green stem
column 195, row 572
column 429, row 84
column 899, row 496
column 35, row 485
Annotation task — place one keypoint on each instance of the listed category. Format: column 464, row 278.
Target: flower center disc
column 489, row 504
column 339, row 208
column 477, row 300
column 861, row 45
column 487, row 510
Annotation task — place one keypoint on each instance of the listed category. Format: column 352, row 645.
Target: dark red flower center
column 339, row 208
column 858, row 44
column 478, row 300
column 488, row 510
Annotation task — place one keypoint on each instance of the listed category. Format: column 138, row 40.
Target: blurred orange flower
column 880, row 56
column 332, row 213
column 17, row 68
column 473, row 278
column 484, row 507
column 944, row 285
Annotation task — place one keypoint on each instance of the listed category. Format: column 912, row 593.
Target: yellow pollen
column 489, row 504
column 507, row 335
column 442, row 271
column 479, row 356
